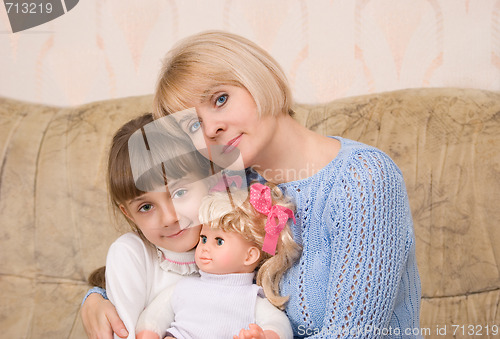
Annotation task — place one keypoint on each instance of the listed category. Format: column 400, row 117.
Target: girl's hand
column 256, row 332
column 100, row 319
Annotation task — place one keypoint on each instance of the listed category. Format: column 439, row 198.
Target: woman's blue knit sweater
column 357, row 276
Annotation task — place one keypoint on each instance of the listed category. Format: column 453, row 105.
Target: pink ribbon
column 260, row 198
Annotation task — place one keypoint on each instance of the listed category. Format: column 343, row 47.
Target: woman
column 357, row 275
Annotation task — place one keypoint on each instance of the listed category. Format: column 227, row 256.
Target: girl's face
column 228, row 119
column 220, row 252
column 170, row 220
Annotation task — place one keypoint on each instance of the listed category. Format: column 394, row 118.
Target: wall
column 329, row 48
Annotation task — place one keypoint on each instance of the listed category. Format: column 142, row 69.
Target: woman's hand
column 100, row 318
column 256, row 332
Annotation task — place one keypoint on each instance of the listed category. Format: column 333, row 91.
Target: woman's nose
column 213, row 127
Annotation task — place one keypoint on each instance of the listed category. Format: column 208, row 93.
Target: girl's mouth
column 175, row 234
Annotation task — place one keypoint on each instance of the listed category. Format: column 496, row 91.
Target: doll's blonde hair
column 205, row 60
column 233, row 212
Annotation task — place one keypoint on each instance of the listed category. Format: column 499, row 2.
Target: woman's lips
column 232, row 144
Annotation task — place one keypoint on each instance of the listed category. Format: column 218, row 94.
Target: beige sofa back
column 55, row 225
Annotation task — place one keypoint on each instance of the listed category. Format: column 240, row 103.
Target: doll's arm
column 256, row 332
column 270, row 318
column 157, row 316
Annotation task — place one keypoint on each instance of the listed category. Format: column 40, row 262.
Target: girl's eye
column 194, row 127
column 146, row 208
column 203, row 239
column 179, row 193
column 220, row 241
column 221, row 100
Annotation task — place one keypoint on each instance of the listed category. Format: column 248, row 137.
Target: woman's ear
column 253, row 256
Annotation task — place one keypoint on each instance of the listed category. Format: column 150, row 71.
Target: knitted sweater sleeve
column 371, row 236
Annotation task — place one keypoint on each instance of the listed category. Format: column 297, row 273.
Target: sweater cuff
column 97, row 290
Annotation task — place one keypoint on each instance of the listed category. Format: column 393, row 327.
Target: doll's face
column 220, row 252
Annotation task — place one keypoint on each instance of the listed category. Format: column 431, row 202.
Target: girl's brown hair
column 236, row 214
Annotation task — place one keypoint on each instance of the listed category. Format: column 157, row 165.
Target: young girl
column 240, row 233
column 157, row 182
column 165, row 227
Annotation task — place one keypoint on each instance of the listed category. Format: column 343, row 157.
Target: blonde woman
column 357, row 274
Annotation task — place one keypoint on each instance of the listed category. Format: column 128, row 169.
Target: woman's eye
column 220, row 241
column 145, row 208
column 203, row 239
column 221, row 100
column 179, row 193
column 194, row 127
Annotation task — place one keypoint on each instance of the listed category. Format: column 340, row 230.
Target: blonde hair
column 235, row 213
column 121, row 184
column 213, row 58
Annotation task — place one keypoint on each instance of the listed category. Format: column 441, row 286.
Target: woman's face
column 227, row 120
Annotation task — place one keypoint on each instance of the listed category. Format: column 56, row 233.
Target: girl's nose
column 169, row 215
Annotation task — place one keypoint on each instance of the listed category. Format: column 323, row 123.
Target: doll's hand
column 100, row 319
column 256, row 332
column 147, row 335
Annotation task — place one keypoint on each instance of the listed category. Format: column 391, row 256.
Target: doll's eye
column 220, row 241
column 203, row 239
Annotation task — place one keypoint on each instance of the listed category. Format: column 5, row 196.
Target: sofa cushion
column 56, row 225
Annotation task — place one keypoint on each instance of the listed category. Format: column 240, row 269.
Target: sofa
column 56, row 224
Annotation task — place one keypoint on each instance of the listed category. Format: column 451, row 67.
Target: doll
column 241, row 233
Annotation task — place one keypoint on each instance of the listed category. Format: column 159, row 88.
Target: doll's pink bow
column 260, row 198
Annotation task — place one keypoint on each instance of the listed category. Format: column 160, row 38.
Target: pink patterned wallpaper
column 329, row 48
